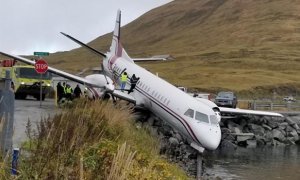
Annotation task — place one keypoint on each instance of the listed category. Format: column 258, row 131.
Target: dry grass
column 92, row 140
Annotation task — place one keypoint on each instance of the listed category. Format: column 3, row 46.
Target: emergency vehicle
column 25, row 80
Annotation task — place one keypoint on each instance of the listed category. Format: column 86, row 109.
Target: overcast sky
column 34, row 25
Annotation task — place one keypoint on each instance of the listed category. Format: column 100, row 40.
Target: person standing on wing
column 133, row 81
column 123, row 80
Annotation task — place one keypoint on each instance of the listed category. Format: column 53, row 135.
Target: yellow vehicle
column 26, row 81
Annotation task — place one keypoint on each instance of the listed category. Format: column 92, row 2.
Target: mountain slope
column 218, row 44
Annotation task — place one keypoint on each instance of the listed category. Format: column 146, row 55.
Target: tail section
column 116, row 47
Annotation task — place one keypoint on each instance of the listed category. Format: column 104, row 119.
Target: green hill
column 246, row 46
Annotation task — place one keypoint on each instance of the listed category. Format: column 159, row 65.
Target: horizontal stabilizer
column 84, row 45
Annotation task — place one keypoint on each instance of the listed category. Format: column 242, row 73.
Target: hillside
column 246, row 46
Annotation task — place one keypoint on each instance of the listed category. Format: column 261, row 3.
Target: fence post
column 271, row 106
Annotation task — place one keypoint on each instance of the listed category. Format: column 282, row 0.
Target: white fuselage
column 169, row 103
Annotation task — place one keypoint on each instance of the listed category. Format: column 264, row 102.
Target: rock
column 289, row 120
column 256, row 129
column 296, row 126
column 266, row 127
column 165, row 130
column 260, row 142
column 157, row 122
column 283, row 125
column 289, row 129
column 228, row 137
column 277, row 143
column 268, row 137
column 236, row 130
column 272, row 123
column 251, row 143
column 243, row 123
column 278, row 119
column 225, row 131
column 244, row 137
column 227, row 145
column 178, row 136
column 173, row 141
column 289, row 141
column 293, row 134
column 231, row 125
column 277, row 135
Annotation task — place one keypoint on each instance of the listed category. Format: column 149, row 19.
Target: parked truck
column 25, row 80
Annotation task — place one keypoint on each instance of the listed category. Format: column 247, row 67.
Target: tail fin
column 116, row 47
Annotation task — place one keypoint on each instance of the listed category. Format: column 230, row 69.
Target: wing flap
column 124, row 96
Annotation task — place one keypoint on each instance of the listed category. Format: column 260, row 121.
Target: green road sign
column 41, row 53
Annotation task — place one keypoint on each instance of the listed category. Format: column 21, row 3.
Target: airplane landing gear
column 199, row 165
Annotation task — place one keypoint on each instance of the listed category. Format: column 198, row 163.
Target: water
column 257, row 163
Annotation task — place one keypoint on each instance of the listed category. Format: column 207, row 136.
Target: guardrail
column 269, row 105
column 7, row 100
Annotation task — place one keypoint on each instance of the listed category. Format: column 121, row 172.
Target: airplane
column 197, row 120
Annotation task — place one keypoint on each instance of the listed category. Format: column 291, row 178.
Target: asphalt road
column 30, row 109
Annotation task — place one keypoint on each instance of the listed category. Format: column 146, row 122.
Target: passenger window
column 201, row 117
column 165, row 100
column 158, row 97
column 168, row 102
column 189, row 113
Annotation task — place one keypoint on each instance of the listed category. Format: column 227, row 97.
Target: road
column 30, row 109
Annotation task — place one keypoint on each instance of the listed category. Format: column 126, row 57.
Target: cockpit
column 198, row 116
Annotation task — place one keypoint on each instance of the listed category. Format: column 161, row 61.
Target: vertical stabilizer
column 116, row 47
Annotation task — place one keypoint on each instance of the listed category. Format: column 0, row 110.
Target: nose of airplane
column 213, row 143
column 209, row 136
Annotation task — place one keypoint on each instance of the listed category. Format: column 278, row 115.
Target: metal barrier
column 7, row 101
column 256, row 105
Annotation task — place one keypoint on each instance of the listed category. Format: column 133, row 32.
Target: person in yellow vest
column 69, row 92
column 64, row 90
column 123, row 80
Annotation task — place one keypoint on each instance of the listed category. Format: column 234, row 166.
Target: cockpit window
column 214, row 119
column 189, row 113
column 201, row 117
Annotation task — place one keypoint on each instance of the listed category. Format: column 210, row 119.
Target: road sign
column 41, row 53
column 41, row 66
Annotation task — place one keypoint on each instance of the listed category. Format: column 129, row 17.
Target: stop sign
column 41, row 66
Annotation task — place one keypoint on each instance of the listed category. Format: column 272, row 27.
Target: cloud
column 34, row 25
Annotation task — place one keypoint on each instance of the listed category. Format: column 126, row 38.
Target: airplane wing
column 248, row 112
column 148, row 59
column 55, row 71
column 124, row 96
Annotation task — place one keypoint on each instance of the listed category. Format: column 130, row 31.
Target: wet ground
column 257, row 163
column 30, row 109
